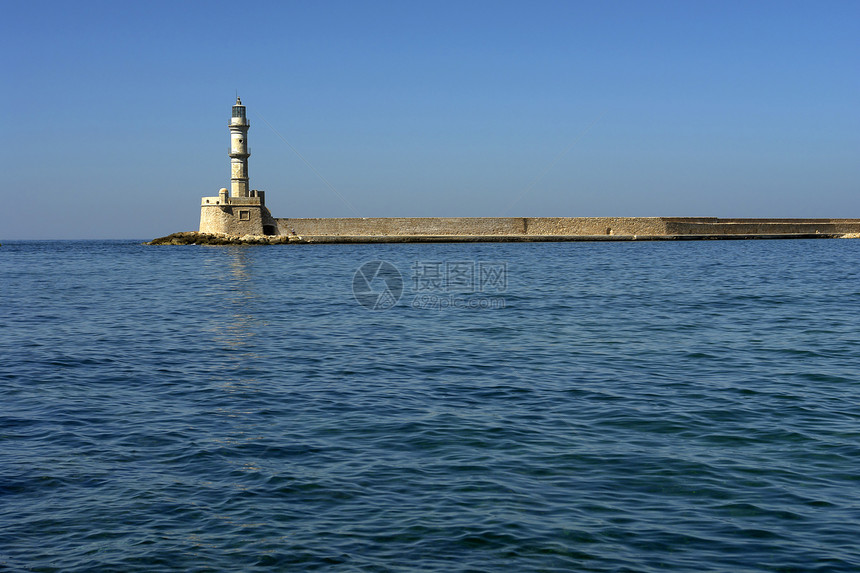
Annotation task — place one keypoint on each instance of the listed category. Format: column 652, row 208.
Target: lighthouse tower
column 239, row 151
column 241, row 210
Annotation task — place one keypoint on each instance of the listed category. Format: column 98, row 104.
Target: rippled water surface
column 665, row 406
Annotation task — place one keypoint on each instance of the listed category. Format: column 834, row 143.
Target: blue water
column 688, row 406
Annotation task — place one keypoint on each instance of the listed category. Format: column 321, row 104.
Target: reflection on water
column 233, row 296
column 234, row 333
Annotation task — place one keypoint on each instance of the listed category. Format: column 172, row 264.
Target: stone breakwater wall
column 514, row 229
column 525, row 227
column 761, row 226
column 472, row 226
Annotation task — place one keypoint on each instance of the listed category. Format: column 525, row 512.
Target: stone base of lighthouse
column 237, row 215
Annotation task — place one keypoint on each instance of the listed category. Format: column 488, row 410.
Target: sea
column 625, row 406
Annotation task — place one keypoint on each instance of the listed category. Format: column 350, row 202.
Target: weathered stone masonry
column 243, row 211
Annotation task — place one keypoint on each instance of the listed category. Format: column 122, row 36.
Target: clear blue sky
column 115, row 113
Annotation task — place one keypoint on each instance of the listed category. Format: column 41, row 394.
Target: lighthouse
column 239, row 151
column 239, row 210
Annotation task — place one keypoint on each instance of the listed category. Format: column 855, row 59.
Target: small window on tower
column 244, row 215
